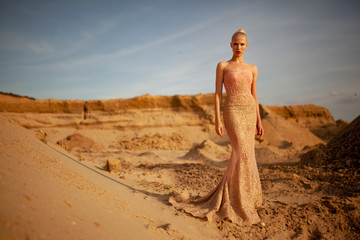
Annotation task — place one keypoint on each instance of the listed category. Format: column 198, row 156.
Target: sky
column 307, row 52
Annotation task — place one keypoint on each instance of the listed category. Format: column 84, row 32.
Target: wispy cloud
column 64, row 65
column 350, row 97
column 41, row 47
column 104, row 26
column 179, row 70
column 344, row 68
column 334, row 93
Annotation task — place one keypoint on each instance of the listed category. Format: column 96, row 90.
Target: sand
column 48, row 194
column 54, row 184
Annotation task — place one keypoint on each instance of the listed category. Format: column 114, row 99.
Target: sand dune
column 54, row 185
column 209, row 153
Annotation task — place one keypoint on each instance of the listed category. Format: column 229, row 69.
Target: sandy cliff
column 15, row 103
column 194, row 103
column 315, row 118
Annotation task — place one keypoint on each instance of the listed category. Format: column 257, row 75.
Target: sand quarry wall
column 15, row 103
column 302, row 111
column 193, row 103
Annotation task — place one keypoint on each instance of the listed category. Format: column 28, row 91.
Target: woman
column 238, row 194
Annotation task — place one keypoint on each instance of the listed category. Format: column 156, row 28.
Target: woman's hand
column 219, row 129
column 260, row 130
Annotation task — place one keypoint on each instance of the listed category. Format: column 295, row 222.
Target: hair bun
column 240, row 31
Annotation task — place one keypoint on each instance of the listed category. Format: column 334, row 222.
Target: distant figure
column 85, row 111
column 238, row 195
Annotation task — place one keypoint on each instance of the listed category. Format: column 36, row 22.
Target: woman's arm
column 260, row 130
column 218, row 97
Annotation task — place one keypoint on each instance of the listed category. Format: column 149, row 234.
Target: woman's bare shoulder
column 253, row 68
column 222, row 65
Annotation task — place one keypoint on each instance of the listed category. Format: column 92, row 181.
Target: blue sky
column 306, row 51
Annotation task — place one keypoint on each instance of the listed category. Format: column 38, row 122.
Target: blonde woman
column 238, row 194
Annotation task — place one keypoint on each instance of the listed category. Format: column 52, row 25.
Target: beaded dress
column 238, row 194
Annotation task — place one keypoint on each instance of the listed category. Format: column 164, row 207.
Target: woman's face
column 239, row 44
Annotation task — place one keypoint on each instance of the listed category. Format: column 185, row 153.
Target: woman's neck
column 238, row 59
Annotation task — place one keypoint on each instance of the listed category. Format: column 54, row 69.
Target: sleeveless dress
column 238, row 194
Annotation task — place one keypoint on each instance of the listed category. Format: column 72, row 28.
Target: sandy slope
column 46, row 194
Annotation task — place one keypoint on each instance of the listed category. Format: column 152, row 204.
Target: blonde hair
column 239, row 32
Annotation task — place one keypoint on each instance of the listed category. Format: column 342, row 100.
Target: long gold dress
column 238, row 194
